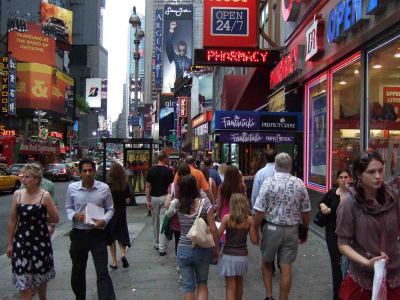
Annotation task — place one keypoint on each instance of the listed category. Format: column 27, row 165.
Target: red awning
column 245, row 92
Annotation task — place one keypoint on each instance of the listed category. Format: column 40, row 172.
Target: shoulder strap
column 19, row 200
column 41, row 198
column 200, row 208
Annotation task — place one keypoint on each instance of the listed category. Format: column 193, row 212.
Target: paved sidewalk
column 153, row 277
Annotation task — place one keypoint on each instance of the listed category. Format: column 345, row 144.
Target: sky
column 116, row 21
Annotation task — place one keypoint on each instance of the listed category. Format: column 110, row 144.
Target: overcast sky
column 116, row 21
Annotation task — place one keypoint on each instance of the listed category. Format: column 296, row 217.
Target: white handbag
column 200, row 233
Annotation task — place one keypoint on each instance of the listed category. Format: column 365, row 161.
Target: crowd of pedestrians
column 192, row 203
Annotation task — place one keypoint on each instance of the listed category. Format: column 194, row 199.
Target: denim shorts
column 194, row 264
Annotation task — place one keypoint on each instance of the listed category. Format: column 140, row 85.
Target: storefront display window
column 316, row 133
column 383, row 92
column 346, row 95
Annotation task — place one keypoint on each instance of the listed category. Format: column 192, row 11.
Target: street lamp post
column 134, row 20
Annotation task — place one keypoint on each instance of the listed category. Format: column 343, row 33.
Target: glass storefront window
column 346, row 95
column 383, row 92
column 316, row 143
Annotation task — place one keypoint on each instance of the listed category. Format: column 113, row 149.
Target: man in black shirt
column 158, row 180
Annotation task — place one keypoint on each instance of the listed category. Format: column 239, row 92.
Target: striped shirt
column 187, row 221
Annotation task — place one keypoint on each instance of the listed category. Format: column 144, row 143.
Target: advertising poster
column 57, row 21
column 32, row 45
column 318, row 140
column 148, row 120
column 139, row 161
column 93, row 92
column 178, row 44
column 158, row 49
column 42, row 87
column 167, row 114
column 391, row 103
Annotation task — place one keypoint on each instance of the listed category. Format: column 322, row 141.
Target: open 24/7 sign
column 230, row 23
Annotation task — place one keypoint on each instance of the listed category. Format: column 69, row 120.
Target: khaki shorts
column 281, row 241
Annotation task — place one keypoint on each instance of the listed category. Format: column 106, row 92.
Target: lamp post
column 134, row 20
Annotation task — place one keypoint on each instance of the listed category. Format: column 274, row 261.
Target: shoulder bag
column 199, row 233
column 321, row 219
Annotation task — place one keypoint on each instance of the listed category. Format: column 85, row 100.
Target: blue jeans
column 194, row 264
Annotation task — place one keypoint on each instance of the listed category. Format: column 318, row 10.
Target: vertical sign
column 12, row 85
column 183, row 107
column 314, row 38
column 158, row 49
column 4, row 85
column 93, row 92
column 178, row 44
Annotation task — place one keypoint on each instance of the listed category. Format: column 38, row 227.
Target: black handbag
column 320, row 219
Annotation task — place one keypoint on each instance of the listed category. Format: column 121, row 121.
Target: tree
column 82, row 104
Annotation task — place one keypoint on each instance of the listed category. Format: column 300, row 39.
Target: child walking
column 233, row 264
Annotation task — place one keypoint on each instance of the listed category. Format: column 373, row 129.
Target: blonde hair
column 35, row 170
column 238, row 208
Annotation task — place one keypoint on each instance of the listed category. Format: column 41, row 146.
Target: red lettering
column 290, row 9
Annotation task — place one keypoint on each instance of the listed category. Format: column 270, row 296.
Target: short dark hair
column 270, row 155
column 190, row 159
column 188, row 192
column 208, row 161
column 162, row 155
column 340, row 171
column 182, row 43
column 183, row 169
column 86, row 161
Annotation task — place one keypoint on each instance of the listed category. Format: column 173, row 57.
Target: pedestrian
column 194, row 261
column 86, row 237
column 267, row 171
column 283, row 201
column 28, row 238
column 221, row 171
column 233, row 264
column 158, row 180
column 171, row 206
column 213, row 173
column 49, row 186
column 232, row 184
column 211, row 182
column 368, row 228
column 328, row 206
column 118, row 226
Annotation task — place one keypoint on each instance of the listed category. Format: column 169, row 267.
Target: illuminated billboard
column 57, row 21
column 43, row 87
column 32, row 45
column 93, row 92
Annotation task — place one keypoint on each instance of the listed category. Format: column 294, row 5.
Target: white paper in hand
column 379, row 291
column 93, row 212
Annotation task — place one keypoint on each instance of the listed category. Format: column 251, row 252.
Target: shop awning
column 245, row 92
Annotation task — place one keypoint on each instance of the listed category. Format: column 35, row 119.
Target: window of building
column 316, row 134
column 346, row 95
column 383, row 91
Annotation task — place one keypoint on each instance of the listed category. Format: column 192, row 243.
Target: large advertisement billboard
column 32, row 45
column 230, row 24
column 178, row 44
column 57, row 21
column 93, row 92
column 158, row 49
column 43, row 87
column 167, row 114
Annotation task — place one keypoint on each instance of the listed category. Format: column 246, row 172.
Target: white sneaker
column 177, row 269
column 180, row 278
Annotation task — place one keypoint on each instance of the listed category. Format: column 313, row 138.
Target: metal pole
column 136, row 57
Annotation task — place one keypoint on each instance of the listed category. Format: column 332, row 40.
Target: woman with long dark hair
column 328, row 206
column 368, row 228
column 118, row 227
column 193, row 261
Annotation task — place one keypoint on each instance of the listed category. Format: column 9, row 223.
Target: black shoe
column 163, row 253
column 155, row 247
column 149, row 213
column 269, row 298
column 113, row 267
column 125, row 263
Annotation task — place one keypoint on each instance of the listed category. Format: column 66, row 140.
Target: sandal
column 113, row 267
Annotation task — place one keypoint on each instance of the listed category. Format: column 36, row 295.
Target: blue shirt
column 261, row 175
column 78, row 196
column 215, row 175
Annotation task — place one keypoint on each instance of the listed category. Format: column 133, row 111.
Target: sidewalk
column 153, row 277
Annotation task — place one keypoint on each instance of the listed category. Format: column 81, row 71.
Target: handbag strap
column 200, row 208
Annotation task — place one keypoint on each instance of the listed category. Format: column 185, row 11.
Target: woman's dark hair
column 232, row 182
column 183, row 169
column 205, row 172
column 117, row 180
column 340, row 171
column 188, row 192
column 359, row 166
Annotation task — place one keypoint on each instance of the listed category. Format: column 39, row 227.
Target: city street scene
column 200, row 149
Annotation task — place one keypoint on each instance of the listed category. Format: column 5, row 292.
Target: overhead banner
column 230, row 24
column 255, row 137
column 43, row 87
column 93, row 92
column 32, row 45
column 178, row 44
column 57, row 21
column 158, row 49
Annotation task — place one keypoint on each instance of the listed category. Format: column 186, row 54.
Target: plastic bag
column 379, row 291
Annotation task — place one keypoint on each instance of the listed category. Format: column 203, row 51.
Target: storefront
column 202, row 140
column 349, row 65
column 244, row 136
